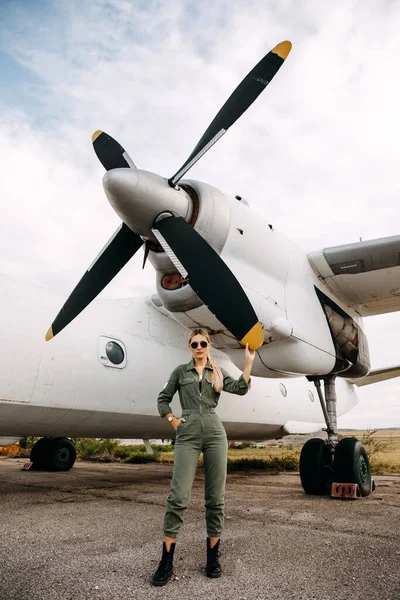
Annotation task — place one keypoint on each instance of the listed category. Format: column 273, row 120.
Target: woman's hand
column 249, row 354
column 175, row 422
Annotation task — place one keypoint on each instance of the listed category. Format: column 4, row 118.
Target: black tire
column 62, row 454
column 351, row 465
column 315, row 467
column 40, row 453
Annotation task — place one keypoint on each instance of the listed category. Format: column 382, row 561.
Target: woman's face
column 201, row 346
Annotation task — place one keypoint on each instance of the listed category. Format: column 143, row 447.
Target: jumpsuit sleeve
column 167, row 393
column 235, row 386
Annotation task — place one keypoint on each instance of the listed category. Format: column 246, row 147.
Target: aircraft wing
column 365, row 275
column 377, row 375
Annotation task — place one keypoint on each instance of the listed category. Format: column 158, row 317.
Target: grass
column 252, row 458
column 383, row 447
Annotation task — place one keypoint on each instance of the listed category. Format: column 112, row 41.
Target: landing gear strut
column 325, row 462
column 53, row 454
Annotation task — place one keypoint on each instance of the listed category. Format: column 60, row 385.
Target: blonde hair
column 217, row 379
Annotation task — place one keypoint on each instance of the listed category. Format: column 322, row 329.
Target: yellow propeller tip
column 282, row 49
column 254, row 338
column 96, row 135
column 49, row 334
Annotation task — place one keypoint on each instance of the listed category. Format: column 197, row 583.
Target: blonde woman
column 199, row 429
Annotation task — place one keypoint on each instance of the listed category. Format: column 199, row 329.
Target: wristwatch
column 171, row 418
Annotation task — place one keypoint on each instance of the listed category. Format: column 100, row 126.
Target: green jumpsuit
column 201, row 432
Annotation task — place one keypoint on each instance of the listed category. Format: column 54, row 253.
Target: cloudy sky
column 316, row 155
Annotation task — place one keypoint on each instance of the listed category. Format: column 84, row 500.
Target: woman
column 199, row 384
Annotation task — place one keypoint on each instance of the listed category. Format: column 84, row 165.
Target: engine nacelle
column 210, row 218
column 259, row 258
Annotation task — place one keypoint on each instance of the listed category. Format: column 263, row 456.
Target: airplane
column 217, row 265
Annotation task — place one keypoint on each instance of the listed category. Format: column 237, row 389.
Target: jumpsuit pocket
column 186, row 417
column 185, row 380
column 182, row 425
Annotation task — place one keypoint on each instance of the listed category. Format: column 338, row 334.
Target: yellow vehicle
column 7, row 450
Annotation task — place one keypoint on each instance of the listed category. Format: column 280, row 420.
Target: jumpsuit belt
column 197, row 411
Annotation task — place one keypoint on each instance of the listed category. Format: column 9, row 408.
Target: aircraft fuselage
column 70, row 388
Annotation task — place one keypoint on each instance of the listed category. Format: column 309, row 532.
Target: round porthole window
column 115, row 353
column 311, row 395
column 283, row 390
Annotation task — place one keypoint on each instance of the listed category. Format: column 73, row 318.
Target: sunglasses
column 203, row 344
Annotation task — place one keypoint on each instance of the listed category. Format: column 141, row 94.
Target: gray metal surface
column 95, row 533
column 365, row 256
column 330, row 400
column 378, row 375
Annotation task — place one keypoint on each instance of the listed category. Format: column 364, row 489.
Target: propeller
column 117, row 252
column 120, row 248
column 195, row 259
column 210, row 278
column 244, row 95
column 110, row 153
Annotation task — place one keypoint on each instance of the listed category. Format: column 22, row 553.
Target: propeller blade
column 110, row 153
column 243, row 96
column 117, row 252
column 210, row 278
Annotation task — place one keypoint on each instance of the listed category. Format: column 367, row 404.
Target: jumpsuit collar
column 190, row 366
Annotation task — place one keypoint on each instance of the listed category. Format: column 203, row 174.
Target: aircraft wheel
column 315, row 471
column 351, row 465
column 62, row 454
column 40, row 453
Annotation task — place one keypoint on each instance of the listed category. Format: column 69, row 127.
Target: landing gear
column 315, row 467
column 325, row 462
column 53, row 454
column 39, row 453
column 352, row 465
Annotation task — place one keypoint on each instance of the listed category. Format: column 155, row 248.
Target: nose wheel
column 323, row 462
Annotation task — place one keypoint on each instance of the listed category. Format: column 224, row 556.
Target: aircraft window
column 283, row 390
column 115, row 353
column 311, row 395
column 111, row 352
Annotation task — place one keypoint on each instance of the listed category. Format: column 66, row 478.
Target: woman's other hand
column 249, row 354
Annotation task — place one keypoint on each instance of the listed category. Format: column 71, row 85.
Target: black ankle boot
column 165, row 568
column 213, row 568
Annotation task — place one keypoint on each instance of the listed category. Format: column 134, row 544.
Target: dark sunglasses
column 203, row 344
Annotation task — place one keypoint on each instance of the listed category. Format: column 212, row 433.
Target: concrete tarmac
column 96, row 533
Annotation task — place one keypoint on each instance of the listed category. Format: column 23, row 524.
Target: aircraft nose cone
column 138, row 197
column 119, row 186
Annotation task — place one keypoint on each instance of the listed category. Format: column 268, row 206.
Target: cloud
column 316, row 155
